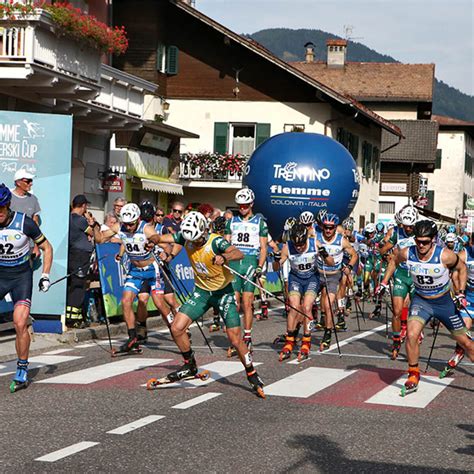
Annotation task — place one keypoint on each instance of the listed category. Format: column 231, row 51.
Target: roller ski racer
column 208, row 252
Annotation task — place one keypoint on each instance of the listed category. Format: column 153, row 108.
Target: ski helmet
column 306, row 217
column 348, row 224
column 129, row 213
column 452, row 229
column 5, row 195
column 299, row 234
column 244, row 196
column 289, row 223
column 391, row 225
column 218, row 225
column 465, row 240
column 425, row 228
column 331, row 219
column 380, row 227
column 370, row 228
column 194, row 226
column 450, row 238
column 147, row 211
column 321, row 215
column 408, row 216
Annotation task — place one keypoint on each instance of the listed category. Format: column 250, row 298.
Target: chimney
column 336, row 52
column 309, row 58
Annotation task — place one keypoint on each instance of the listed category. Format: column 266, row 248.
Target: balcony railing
column 32, row 41
column 194, row 173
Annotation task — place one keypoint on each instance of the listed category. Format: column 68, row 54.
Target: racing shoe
column 341, row 323
column 231, row 352
column 256, row 383
column 326, row 341
column 20, row 381
column 132, row 346
column 305, row 348
column 411, row 385
column 457, row 357
column 188, row 369
column 287, row 348
column 142, row 334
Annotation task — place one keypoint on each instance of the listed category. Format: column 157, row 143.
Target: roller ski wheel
column 256, row 383
column 16, row 385
column 153, row 384
column 411, row 385
column 214, row 327
column 446, row 372
column 326, row 341
column 231, row 352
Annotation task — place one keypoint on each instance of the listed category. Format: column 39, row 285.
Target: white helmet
column 244, row 196
column 129, row 213
column 370, row 228
column 194, row 226
column 408, row 216
column 450, row 238
column 307, row 217
column 391, row 225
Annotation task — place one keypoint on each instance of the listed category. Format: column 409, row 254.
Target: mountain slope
column 288, row 45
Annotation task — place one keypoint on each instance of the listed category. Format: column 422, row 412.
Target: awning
column 162, row 186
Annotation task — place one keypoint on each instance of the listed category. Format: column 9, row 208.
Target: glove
column 44, row 283
column 381, row 289
column 258, row 272
column 460, row 301
column 323, row 252
column 277, row 256
column 118, row 258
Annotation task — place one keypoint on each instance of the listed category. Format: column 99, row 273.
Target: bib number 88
column 243, row 237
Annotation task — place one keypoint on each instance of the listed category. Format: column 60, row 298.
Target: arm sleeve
column 178, row 238
column 220, row 245
column 263, row 228
column 31, row 230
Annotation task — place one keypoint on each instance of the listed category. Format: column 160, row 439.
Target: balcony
column 37, row 63
column 211, row 170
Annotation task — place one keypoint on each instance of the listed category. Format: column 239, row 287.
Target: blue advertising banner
column 41, row 144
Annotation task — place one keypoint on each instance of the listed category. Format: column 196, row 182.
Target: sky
column 411, row 31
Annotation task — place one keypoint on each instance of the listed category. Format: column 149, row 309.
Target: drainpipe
column 392, row 146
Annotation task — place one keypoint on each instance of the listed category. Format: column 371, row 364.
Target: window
column 367, row 152
column 376, row 163
column 167, row 59
column 372, row 217
column 350, row 141
column 431, row 196
column 468, row 164
column 439, row 155
column 386, row 207
column 240, row 138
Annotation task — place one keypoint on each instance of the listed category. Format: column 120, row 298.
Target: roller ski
column 215, row 326
column 396, row 346
column 131, row 347
column 20, row 381
column 411, row 385
column 326, row 341
column 287, row 348
column 375, row 314
column 256, row 383
column 341, row 323
column 188, row 371
column 457, row 357
column 305, row 348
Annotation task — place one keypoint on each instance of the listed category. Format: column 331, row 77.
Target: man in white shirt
column 22, row 199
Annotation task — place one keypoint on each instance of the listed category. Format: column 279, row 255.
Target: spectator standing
column 22, row 199
column 173, row 223
column 118, row 204
column 82, row 226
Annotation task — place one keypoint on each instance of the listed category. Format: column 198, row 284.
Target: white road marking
column 58, row 351
column 37, row 362
column 218, row 370
column 197, row 400
column 134, row 425
column 97, row 343
column 296, row 362
column 65, row 452
column 430, row 387
column 105, row 371
column 357, row 336
column 307, row 382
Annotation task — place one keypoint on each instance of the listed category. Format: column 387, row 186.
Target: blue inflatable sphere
column 295, row 172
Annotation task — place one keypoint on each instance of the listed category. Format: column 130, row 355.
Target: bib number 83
column 424, row 279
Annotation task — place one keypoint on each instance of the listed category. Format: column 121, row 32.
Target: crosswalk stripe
column 102, row 372
column 65, row 452
column 197, row 400
column 356, row 337
column 218, row 370
column 134, row 425
column 37, row 362
column 430, row 387
column 307, row 382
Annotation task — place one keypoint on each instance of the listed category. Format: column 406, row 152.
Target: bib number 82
column 6, row 249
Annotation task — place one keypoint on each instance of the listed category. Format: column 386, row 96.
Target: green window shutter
column 172, row 60
column 339, row 134
column 354, row 146
column 376, row 162
column 221, row 133
column 439, row 155
column 430, row 195
column 262, row 133
column 160, row 55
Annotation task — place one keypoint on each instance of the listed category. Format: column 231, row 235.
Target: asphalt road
column 327, row 414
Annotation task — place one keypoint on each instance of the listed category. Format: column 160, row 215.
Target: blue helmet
column 380, row 227
column 465, row 240
column 452, row 229
column 5, row 195
column 330, row 218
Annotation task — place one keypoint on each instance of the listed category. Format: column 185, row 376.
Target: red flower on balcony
column 73, row 23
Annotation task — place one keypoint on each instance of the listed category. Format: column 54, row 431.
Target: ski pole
column 432, row 346
column 265, row 290
column 330, row 310
column 174, row 289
